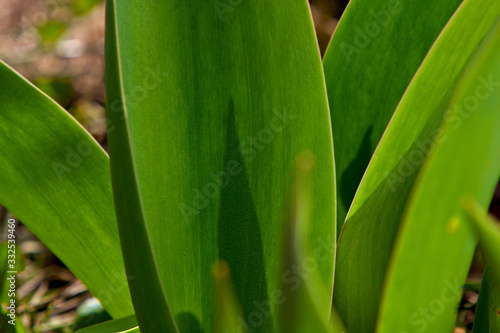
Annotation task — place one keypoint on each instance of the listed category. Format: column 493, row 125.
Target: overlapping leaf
column 55, row 178
column 209, row 104
column 367, row 240
column 125, row 324
column 435, row 244
column 372, row 57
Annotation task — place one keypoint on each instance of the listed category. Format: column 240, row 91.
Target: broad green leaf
column 367, row 239
column 117, row 325
column 373, row 55
column 55, row 178
column 216, row 100
column 435, row 244
column 487, row 314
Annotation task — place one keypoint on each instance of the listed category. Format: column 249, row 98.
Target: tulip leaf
column 435, row 244
column 372, row 57
column 207, row 111
column 367, row 239
column 55, row 178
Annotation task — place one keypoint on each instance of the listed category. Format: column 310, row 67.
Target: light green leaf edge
column 113, row 326
column 55, row 178
column 487, row 314
column 218, row 81
column 150, row 303
column 367, row 238
column 375, row 51
column 435, row 245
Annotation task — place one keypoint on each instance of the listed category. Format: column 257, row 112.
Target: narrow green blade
column 367, row 239
column 118, row 325
column 55, row 178
column 215, row 108
column 228, row 313
column 486, row 316
column 488, row 231
column 151, row 306
column 373, row 55
column 301, row 302
column 435, row 245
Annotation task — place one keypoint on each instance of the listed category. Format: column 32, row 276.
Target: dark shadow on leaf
column 187, row 322
column 239, row 236
column 354, row 172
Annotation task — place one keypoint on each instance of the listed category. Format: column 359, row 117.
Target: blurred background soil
column 59, row 46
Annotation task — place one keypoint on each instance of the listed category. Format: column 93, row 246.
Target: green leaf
column 203, row 134
column 367, row 239
column 487, row 314
column 5, row 326
column 125, row 324
column 373, row 55
column 301, row 303
column 435, row 245
column 151, row 306
column 488, row 231
column 227, row 307
column 55, row 178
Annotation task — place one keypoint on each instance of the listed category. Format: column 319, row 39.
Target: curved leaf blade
column 367, row 239
column 118, row 325
column 486, row 227
column 302, row 303
column 216, row 111
column 466, row 161
column 55, row 178
column 486, row 318
column 150, row 303
column 373, row 55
